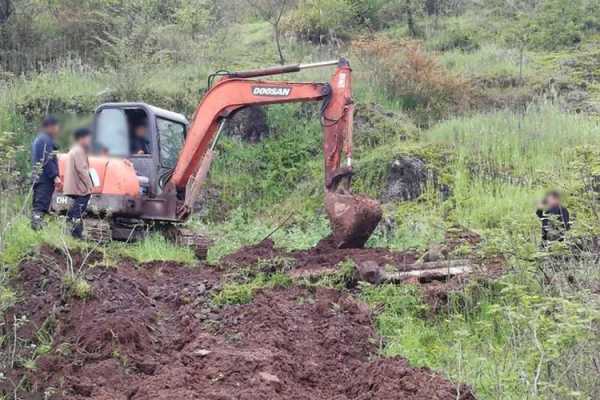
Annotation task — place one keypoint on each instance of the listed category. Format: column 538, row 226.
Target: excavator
column 138, row 192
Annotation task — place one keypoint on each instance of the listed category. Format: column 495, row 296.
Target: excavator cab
column 135, row 149
column 149, row 137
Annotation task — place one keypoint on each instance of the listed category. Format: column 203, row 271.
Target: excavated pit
column 151, row 332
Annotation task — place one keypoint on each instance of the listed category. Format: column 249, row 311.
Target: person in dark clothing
column 45, row 170
column 554, row 218
column 78, row 182
column 139, row 143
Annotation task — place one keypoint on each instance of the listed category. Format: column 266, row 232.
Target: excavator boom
column 234, row 91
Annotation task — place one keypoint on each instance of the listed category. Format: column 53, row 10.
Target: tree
column 409, row 10
column 272, row 11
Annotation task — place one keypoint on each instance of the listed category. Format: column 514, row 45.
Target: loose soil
column 150, row 332
column 325, row 257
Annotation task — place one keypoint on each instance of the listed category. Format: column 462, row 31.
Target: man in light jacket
column 78, row 182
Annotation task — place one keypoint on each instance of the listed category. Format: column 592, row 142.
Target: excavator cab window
column 123, row 132
column 170, row 138
column 112, row 132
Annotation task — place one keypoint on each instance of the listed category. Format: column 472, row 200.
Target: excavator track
column 97, row 230
column 187, row 237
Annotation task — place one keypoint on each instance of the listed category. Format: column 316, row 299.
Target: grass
column 492, row 62
column 153, row 248
column 503, row 343
column 242, row 293
column 539, row 142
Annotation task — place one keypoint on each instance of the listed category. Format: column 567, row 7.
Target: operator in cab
column 554, row 218
column 45, row 170
column 140, row 144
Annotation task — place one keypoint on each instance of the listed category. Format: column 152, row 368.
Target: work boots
column 37, row 220
column 76, row 227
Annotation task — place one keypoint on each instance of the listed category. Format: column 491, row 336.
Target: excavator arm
column 237, row 90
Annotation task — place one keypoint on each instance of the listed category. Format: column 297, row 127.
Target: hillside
column 467, row 112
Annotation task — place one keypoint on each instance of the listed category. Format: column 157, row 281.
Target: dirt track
column 150, row 332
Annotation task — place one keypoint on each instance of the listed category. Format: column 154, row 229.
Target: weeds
column 416, row 78
column 242, row 293
column 154, row 248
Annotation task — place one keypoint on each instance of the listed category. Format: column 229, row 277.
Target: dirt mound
column 393, row 378
column 250, row 255
column 150, row 332
column 325, row 255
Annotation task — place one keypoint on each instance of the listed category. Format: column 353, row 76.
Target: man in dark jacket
column 45, row 169
column 554, row 217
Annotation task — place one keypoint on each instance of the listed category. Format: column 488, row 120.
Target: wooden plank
column 437, row 273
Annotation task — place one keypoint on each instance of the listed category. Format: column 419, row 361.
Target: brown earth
column 150, row 332
column 325, row 257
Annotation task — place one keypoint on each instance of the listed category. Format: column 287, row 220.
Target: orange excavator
column 156, row 187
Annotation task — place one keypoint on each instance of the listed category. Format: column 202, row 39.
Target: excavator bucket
column 353, row 218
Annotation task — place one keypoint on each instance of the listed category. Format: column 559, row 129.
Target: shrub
column 406, row 71
column 324, row 21
column 455, row 38
column 554, row 24
column 319, row 21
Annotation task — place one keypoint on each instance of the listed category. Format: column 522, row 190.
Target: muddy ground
column 324, row 259
column 151, row 332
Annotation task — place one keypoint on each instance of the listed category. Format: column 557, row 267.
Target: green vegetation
column 506, row 341
column 242, row 293
column 499, row 98
column 153, row 248
column 77, row 286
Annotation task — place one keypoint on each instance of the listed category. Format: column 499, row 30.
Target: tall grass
column 540, row 142
column 500, row 340
column 491, row 61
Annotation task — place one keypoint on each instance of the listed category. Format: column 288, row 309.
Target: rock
column 577, row 96
column 202, row 352
column 147, row 367
column 269, row 378
column 200, row 289
column 369, row 271
column 435, row 252
column 406, row 180
column 249, row 124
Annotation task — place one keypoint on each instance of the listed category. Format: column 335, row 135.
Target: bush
column 554, row 24
column 455, row 38
column 407, row 72
column 319, row 21
column 324, row 21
